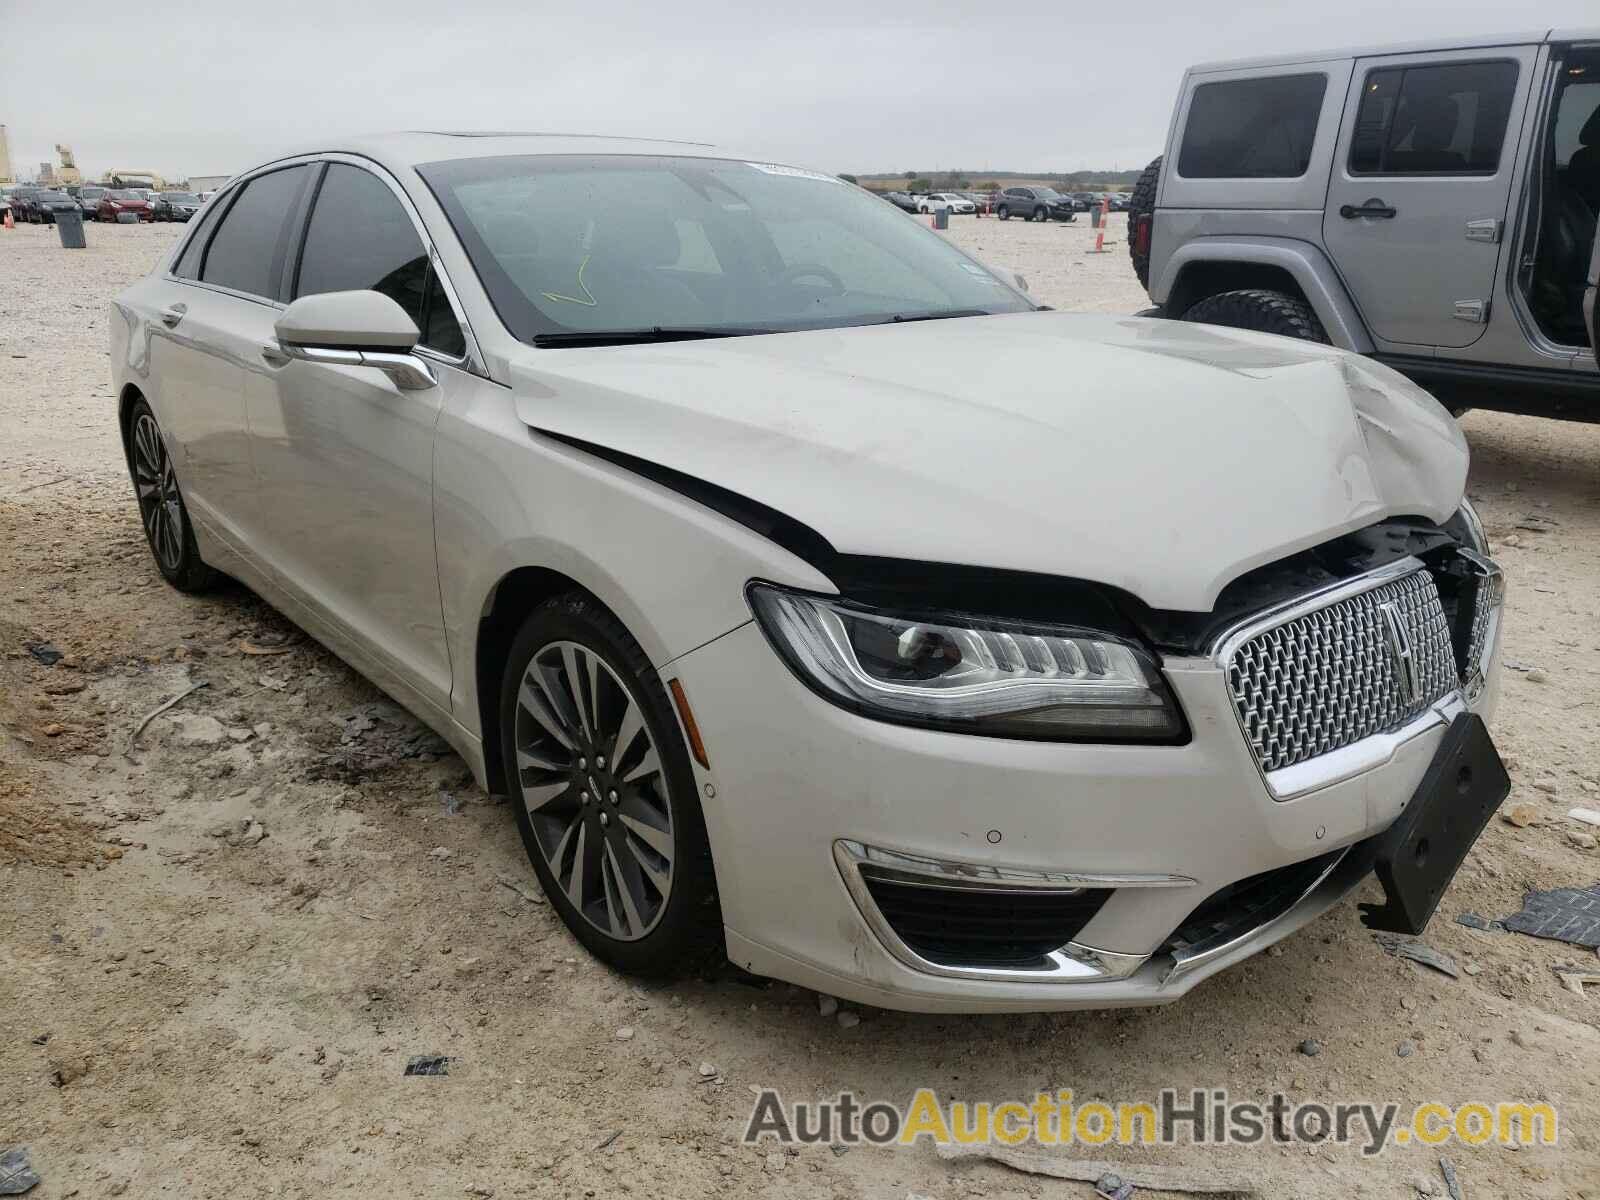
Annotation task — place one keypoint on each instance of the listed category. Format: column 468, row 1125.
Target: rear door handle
column 1370, row 208
column 273, row 355
column 171, row 316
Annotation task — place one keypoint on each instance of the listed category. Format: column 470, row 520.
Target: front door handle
column 273, row 355
column 171, row 316
column 1371, row 208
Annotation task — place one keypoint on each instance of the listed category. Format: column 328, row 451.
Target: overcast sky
column 207, row 89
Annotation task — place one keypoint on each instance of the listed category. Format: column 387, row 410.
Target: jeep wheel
column 1003, row 213
column 1262, row 311
column 1141, row 219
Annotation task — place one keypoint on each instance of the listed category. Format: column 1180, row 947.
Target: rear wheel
column 1261, row 310
column 603, row 792
column 161, row 508
column 1141, row 209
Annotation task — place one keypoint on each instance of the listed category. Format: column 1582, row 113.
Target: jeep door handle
column 1371, row 208
column 171, row 316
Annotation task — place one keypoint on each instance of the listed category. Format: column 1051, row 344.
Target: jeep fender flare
column 1304, row 262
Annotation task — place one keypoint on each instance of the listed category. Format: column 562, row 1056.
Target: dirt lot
column 190, row 1008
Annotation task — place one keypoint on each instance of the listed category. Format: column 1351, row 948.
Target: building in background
column 207, row 183
column 5, row 158
column 47, row 175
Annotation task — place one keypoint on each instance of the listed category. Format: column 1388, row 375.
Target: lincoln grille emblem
column 1405, row 662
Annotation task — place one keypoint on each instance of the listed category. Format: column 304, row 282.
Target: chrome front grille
column 1362, row 665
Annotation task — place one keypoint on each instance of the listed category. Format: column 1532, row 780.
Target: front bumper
column 800, row 792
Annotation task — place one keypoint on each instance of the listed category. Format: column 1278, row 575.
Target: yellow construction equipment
column 69, row 167
column 119, row 177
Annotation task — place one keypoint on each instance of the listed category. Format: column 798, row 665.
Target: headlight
column 1466, row 526
column 962, row 673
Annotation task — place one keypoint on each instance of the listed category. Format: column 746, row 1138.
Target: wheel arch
column 1207, row 266
column 513, row 596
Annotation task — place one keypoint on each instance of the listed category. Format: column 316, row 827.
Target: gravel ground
column 223, row 940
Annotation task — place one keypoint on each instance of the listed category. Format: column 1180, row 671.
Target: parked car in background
column 904, row 201
column 89, row 197
column 205, row 196
column 46, row 202
column 955, row 203
column 123, row 200
column 1432, row 206
column 21, row 195
column 1034, row 204
column 1119, row 200
column 1084, row 201
column 174, row 206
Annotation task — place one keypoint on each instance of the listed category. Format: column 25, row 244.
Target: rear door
column 215, row 313
column 1418, row 195
column 345, row 458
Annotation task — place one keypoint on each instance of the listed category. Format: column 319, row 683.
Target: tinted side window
column 440, row 330
column 188, row 266
column 361, row 238
column 247, row 252
column 1444, row 120
column 1252, row 128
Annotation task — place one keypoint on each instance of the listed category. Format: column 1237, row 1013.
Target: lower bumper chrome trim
column 1071, row 963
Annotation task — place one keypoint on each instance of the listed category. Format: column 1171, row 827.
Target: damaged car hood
column 1160, row 457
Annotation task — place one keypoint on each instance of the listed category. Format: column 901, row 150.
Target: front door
column 1418, row 195
column 344, row 457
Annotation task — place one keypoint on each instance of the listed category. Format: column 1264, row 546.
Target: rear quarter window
column 1260, row 128
column 1448, row 119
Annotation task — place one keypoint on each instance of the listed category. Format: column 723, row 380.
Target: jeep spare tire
column 1261, row 310
column 1141, row 215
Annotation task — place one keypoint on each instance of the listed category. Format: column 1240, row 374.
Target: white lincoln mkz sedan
column 745, row 535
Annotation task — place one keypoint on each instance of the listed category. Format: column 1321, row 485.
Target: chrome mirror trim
column 409, row 372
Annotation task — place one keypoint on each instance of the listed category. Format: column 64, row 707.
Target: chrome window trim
column 1071, row 963
column 471, row 361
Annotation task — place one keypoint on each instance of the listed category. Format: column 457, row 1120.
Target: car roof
column 1482, row 41
column 405, row 150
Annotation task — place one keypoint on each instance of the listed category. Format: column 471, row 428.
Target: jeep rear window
column 1448, row 119
column 1252, row 128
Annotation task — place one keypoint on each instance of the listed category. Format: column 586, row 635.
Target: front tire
column 603, row 792
column 162, row 512
column 1003, row 213
column 1041, row 214
column 1261, row 310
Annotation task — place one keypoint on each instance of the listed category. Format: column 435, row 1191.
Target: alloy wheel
column 160, row 505
column 595, row 790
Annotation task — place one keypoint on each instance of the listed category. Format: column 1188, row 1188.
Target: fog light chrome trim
column 1071, row 963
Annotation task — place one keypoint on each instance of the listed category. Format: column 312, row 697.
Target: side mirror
column 355, row 329
column 1589, row 293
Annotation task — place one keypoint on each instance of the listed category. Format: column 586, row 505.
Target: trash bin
column 941, row 217
column 69, row 224
column 1094, row 217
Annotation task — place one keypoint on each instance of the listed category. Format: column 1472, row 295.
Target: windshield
column 126, row 196
column 179, row 198
column 568, row 245
column 54, row 196
column 1047, row 194
column 91, row 193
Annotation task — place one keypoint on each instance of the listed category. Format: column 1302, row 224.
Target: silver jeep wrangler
column 1433, row 206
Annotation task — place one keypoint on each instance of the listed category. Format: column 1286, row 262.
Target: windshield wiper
column 943, row 314
column 654, row 333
